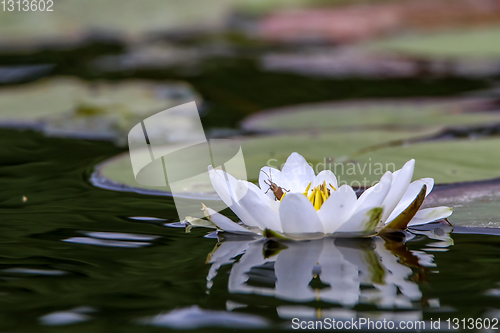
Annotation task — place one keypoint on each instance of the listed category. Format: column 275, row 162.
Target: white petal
column 219, row 182
column 275, row 205
column 430, row 184
column 225, row 184
column 375, row 195
column 427, row 215
column 360, row 222
column 337, row 208
column 268, row 174
column 254, row 201
column 298, row 215
column 325, row 176
column 400, row 181
column 223, row 222
column 298, row 172
column 410, row 194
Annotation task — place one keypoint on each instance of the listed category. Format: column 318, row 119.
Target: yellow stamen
column 318, row 195
column 307, row 189
column 318, row 200
column 323, row 197
column 325, row 190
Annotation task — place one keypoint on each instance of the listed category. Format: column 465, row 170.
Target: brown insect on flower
column 278, row 191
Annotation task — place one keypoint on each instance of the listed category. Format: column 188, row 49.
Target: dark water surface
column 73, row 259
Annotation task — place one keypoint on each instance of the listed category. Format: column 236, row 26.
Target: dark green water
column 74, row 258
column 59, row 253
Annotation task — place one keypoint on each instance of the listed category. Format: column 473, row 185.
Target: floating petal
column 428, row 215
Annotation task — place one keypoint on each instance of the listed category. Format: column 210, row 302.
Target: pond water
column 78, row 258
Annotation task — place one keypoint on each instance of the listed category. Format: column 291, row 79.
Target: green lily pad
column 323, row 150
column 30, row 104
column 116, row 174
column 389, row 113
column 445, row 161
column 482, row 213
column 99, row 110
column 470, row 43
column 475, row 204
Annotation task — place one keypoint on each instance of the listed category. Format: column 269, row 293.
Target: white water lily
column 296, row 203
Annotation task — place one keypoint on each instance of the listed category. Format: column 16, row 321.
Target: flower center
column 319, row 194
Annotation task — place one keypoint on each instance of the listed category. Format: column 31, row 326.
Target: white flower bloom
column 296, row 203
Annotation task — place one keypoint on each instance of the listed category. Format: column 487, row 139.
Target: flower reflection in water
column 378, row 272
